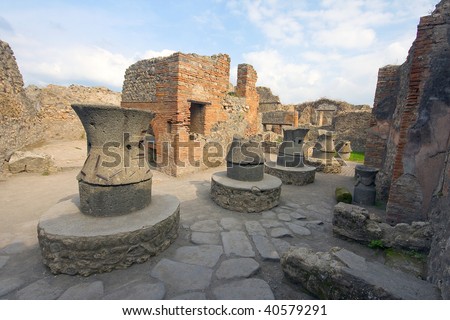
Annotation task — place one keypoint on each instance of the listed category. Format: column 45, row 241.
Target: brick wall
column 187, row 92
column 413, row 147
column 246, row 87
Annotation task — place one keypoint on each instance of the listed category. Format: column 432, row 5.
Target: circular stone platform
column 245, row 196
column 298, row 176
column 74, row 243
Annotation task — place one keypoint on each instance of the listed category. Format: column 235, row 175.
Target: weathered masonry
column 187, row 92
column 409, row 138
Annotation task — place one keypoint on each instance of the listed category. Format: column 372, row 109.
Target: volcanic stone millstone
column 73, row 243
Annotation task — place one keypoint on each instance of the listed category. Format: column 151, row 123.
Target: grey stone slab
column 302, row 211
column 205, row 238
column 9, row 285
column 281, row 245
column 351, row 260
column 190, row 296
column 299, row 230
column 3, row 260
column 271, row 223
column 284, row 217
column 280, row 233
column 315, row 222
column 39, row 290
column 269, row 215
column 279, row 210
column 255, row 228
column 292, row 205
column 138, row 290
column 237, row 268
column 265, row 248
column 301, row 223
column 247, row 289
column 206, row 226
column 84, row 291
column 231, row 224
column 297, row 216
column 318, row 209
column 236, row 242
column 16, row 247
column 182, row 276
column 203, row 255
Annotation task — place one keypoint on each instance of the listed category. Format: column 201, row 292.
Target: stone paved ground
column 219, row 254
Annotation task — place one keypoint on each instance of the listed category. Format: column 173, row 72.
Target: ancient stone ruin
column 322, row 154
column 190, row 96
column 244, row 187
column 115, row 221
column 409, row 143
column 289, row 166
column 20, row 125
column 409, row 138
column 365, row 191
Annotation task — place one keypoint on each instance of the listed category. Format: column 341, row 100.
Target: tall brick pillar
column 385, row 103
column 246, row 87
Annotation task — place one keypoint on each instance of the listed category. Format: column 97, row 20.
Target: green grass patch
column 376, row 244
column 357, row 157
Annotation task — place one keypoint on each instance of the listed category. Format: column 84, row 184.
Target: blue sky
column 302, row 49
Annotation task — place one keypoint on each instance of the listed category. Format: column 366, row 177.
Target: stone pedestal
column 245, row 160
column 364, row 192
column 289, row 166
column 323, row 155
column 74, row 243
column 245, row 196
column 113, row 223
column 299, row 176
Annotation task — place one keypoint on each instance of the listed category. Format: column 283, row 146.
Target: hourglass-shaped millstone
column 365, row 191
column 324, row 148
column 290, row 153
column 245, row 160
column 116, row 178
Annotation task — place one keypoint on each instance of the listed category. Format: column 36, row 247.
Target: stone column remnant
column 245, row 160
column 116, row 178
column 324, row 148
column 290, row 153
column 115, row 221
column 364, row 191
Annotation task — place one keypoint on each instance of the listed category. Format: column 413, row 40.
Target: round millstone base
column 244, row 196
column 299, row 176
column 74, row 243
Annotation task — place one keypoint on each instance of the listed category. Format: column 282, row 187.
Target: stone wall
column 413, row 122
column 19, row 124
column 246, row 88
column 267, row 100
column 54, row 104
column 189, row 94
column 350, row 122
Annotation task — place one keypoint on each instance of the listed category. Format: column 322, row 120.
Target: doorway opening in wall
column 197, row 117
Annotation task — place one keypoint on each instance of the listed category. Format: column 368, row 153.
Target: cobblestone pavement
column 219, row 254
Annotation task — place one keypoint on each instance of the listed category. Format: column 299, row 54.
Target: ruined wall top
column 144, row 77
column 11, row 80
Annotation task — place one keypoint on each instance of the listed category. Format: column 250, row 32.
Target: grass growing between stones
column 357, row 157
column 411, row 261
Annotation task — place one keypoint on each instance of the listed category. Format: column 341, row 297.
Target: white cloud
column 81, row 64
column 345, row 36
column 279, row 26
column 149, row 54
column 289, row 80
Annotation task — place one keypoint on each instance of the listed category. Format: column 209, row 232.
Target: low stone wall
column 356, row 223
column 341, row 274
